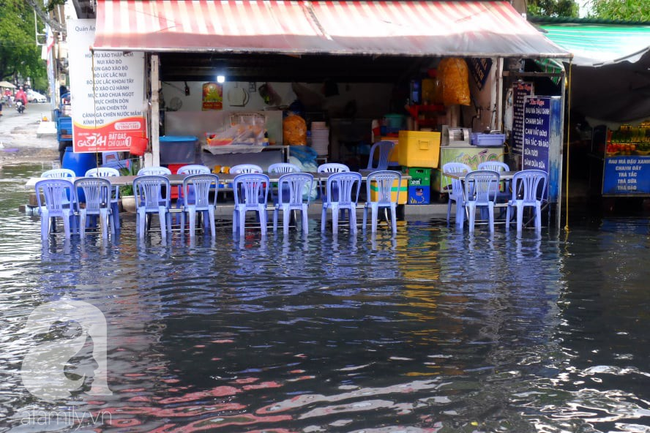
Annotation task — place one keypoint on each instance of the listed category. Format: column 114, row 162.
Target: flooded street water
column 431, row 331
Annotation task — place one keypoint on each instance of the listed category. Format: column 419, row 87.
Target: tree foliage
column 623, row 10
column 553, row 8
column 19, row 54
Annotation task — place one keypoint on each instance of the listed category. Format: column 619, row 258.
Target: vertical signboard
column 520, row 90
column 542, row 139
column 107, row 90
column 626, row 171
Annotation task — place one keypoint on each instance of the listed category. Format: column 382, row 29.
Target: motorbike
column 20, row 107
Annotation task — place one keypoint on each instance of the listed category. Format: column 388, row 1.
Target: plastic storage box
column 419, row 149
column 178, row 149
column 419, row 176
column 403, row 191
column 488, row 140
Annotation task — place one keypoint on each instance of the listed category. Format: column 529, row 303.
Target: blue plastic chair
column 348, row 185
column 98, row 203
column 497, row 166
column 149, row 200
column 455, row 190
column 58, row 173
column 246, row 168
column 481, row 189
column 187, row 170
column 59, row 198
column 384, row 148
column 251, row 191
column 528, row 190
column 107, row 172
column 284, row 167
column 197, row 187
column 293, row 187
column 154, row 171
column 382, row 182
column 330, row 167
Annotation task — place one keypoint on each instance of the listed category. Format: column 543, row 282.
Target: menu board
column 626, row 175
column 107, row 91
column 537, row 132
column 521, row 89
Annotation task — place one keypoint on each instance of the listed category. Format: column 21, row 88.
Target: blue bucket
column 80, row 163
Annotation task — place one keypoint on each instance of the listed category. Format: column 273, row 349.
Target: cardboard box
column 403, row 191
column 419, row 195
column 419, row 176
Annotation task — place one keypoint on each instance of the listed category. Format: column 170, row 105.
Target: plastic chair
column 58, row 173
column 149, row 200
column 154, row 171
column 246, row 168
column 330, row 167
column 284, row 167
column 528, row 190
column 59, row 198
column 292, row 187
column 382, row 181
column 187, row 170
column 348, row 185
column 196, row 187
column 251, row 191
column 98, row 203
column 106, row 172
column 481, row 189
column 384, row 148
column 497, row 166
column 456, row 191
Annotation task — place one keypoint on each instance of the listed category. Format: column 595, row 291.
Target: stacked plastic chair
column 383, row 181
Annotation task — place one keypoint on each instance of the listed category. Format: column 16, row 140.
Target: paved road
column 18, row 135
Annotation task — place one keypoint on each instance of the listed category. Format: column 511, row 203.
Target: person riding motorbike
column 21, row 96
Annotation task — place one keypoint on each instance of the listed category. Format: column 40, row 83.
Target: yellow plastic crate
column 419, row 149
column 403, row 191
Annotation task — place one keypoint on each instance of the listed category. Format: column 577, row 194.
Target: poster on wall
column 212, row 97
column 520, row 90
column 626, row 170
column 107, row 91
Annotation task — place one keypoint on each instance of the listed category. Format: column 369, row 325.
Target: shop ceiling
column 311, row 41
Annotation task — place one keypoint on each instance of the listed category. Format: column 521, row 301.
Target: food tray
column 488, row 140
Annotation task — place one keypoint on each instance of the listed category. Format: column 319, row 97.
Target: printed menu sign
column 537, row 132
column 107, row 91
column 626, row 175
column 521, row 89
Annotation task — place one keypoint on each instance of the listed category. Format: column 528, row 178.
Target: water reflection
column 432, row 329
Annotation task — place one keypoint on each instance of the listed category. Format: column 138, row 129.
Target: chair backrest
column 97, row 191
column 292, row 188
column 456, row 190
column 251, row 189
column 382, row 183
column 346, row 185
column 148, row 192
column 529, row 185
column 333, row 167
column 284, row 167
column 494, row 166
column 57, row 193
column 58, row 173
column 193, row 169
column 481, row 186
column 201, row 185
column 384, row 148
column 102, row 172
column 154, row 171
column 246, row 168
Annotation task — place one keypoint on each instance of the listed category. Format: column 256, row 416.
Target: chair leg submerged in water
column 528, row 190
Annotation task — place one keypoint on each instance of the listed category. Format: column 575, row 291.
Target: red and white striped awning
column 410, row 28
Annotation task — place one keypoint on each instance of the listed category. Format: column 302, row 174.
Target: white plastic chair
column 347, row 185
column 97, row 191
column 284, row 167
column 154, row 171
column 196, row 187
column 330, row 167
column 251, row 191
column 291, row 189
column 481, row 189
column 58, row 173
column 106, row 172
column 528, row 190
column 455, row 190
column 149, row 200
column 246, row 168
column 382, row 182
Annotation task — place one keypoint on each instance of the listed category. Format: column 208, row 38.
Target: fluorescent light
column 221, row 79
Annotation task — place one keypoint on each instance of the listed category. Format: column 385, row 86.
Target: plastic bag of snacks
column 454, row 75
column 294, row 130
